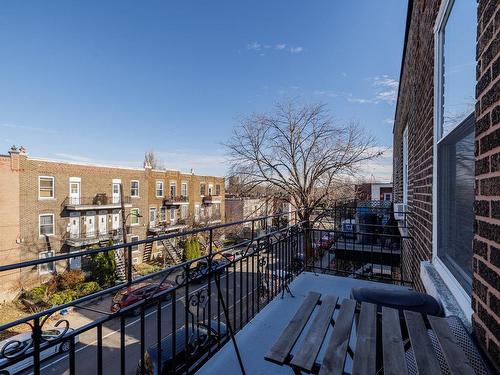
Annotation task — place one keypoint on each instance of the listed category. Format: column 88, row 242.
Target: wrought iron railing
column 96, row 200
column 176, row 200
column 198, row 305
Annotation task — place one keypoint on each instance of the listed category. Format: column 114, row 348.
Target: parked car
column 198, row 344
column 18, row 344
column 234, row 254
column 134, row 294
column 325, row 242
column 198, row 272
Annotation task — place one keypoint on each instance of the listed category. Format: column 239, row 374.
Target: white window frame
column 53, row 225
column 184, row 212
column 153, row 209
column 463, row 299
column 217, row 187
column 174, row 184
column 205, row 192
column 53, row 188
column 135, row 248
column 51, row 265
column 184, row 189
column 163, row 214
column 210, row 190
column 138, row 189
column 137, row 217
column 162, row 188
column 172, row 214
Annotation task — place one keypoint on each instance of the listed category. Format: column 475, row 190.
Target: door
column 116, row 191
column 74, row 192
column 103, row 222
column 90, row 224
column 152, row 217
column 74, row 224
column 76, row 262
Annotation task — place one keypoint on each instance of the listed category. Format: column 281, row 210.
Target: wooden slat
column 282, row 347
column 425, row 358
column 392, row 343
column 365, row 355
column 306, row 357
column 455, row 356
column 334, row 360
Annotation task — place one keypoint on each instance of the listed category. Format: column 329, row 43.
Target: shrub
column 70, row 279
column 87, row 288
column 102, row 268
column 37, row 295
column 60, row 298
column 145, row 269
column 191, row 249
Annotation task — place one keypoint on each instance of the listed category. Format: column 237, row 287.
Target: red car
column 136, row 293
column 325, row 242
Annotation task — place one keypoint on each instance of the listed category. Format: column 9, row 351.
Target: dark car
column 198, row 343
column 234, row 254
column 134, row 294
column 198, row 273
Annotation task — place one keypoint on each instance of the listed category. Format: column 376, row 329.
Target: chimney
column 14, row 158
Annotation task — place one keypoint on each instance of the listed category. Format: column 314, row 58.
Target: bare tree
column 298, row 153
column 150, row 159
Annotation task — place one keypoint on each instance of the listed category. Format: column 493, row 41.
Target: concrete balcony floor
column 257, row 337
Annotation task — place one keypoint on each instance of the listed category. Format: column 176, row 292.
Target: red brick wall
column 486, row 263
column 415, row 110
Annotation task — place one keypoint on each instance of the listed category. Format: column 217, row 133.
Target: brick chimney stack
column 14, row 158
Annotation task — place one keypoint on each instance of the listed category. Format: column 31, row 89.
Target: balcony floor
column 257, row 337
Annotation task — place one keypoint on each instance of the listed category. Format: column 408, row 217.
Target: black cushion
column 399, row 299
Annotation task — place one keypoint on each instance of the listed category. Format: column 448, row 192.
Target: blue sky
column 102, row 81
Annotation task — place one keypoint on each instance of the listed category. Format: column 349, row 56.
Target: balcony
column 167, row 226
column 82, row 239
column 211, row 199
column 97, row 202
column 176, row 201
column 203, row 300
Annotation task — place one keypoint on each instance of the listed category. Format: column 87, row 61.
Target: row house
column 50, row 207
column 446, row 159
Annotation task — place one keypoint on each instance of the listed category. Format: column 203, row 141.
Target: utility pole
column 124, row 234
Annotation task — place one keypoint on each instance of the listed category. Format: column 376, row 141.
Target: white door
column 115, row 220
column 74, row 192
column 196, row 212
column 74, row 224
column 103, row 222
column 116, row 192
column 76, row 262
column 90, row 224
column 152, row 216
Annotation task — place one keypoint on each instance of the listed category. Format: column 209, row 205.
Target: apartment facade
column 374, row 191
column 54, row 207
column 446, row 158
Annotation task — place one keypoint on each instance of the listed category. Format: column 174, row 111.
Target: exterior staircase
column 120, row 265
column 172, row 251
column 148, row 250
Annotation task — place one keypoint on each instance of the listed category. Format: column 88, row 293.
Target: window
column 134, row 188
column 405, row 166
column 134, row 216
column 46, row 187
column 217, row 189
column 46, row 225
column 454, row 140
column 210, row 189
column 48, row 267
column 159, row 188
column 172, row 214
column 173, row 189
column 163, row 214
column 136, row 246
column 202, row 188
column 184, row 211
column 184, row 189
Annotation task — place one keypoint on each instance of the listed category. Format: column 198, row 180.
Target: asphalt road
column 234, row 285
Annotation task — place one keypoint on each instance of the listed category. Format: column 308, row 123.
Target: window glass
column 133, row 239
column 159, row 188
column 163, row 215
column 134, row 216
column 202, row 189
column 46, row 224
column 459, row 64
column 184, row 189
column 173, row 189
column 46, row 187
column 46, row 267
column 217, row 189
column 134, row 188
column 152, row 215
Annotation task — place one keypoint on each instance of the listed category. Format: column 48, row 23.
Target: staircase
column 120, row 265
column 148, row 250
column 172, row 251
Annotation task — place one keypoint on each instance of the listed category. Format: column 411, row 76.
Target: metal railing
column 175, row 200
column 193, row 308
column 96, row 200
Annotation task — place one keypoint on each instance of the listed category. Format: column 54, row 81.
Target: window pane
column 456, row 201
column 459, row 64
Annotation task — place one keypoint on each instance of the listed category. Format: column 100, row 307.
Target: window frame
column 462, row 297
column 134, row 248
column 204, row 185
column 53, row 188
column 135, row 216
column 173, row 184
column 40, row 266
column 132, row 189
column 184, row 184
column 217, row 189
column 155, row 210
column 53, row 225
column 162, row 189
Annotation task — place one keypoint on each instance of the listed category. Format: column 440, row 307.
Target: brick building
column 50, row 207
column 374, row 191
column 446, row 158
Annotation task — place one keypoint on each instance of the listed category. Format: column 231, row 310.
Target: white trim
column 187, row 188
column 53, row 197
column 137, row 238
column 463, row 299
column 40, row 272
column 116, row 181
column 53, row 225
column 162, row 188
column 137, row 217
column 75, row 179
column 138, row 189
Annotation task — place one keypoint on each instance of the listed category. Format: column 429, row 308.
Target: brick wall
column 486, row 262
column 415, row 111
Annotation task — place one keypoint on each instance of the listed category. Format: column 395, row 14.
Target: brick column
column 486, row 261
